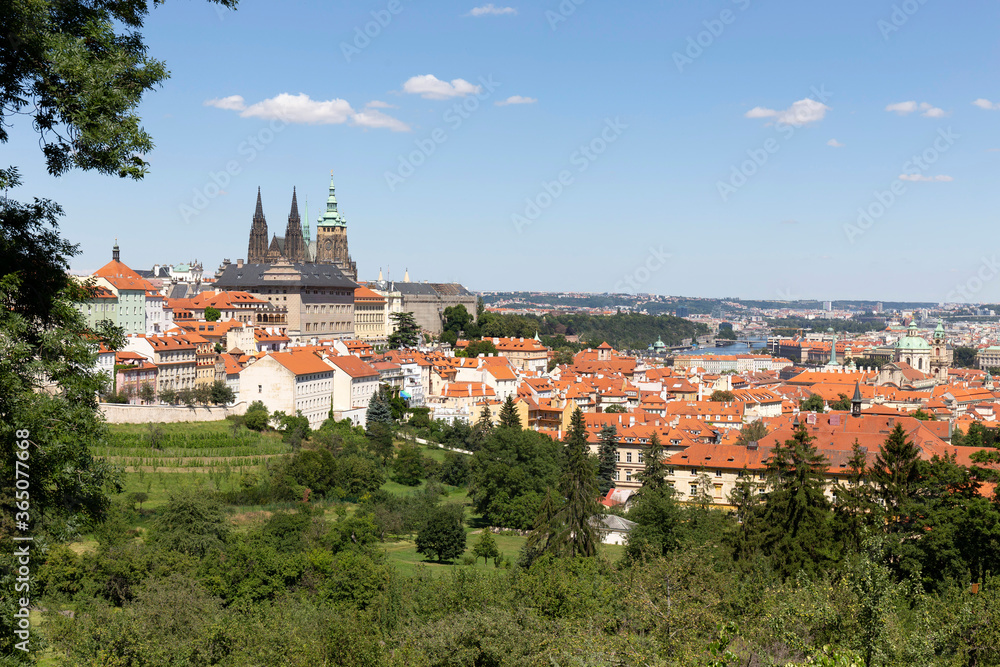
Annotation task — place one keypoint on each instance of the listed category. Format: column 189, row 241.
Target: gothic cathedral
column 330, row 246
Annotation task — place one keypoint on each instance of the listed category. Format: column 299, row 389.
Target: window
column 618, row 457
column 670, row 471
column 628, row 475
column 260, row 389
column 694, row 489
column 718, row 473
column 640, row 456
column 628, row 457
column 694, row 471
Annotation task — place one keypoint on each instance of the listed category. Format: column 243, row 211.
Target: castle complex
column 296, row 246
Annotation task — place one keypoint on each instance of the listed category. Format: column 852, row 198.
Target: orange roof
column 353, row 366
column 301, row 363
column 362, row 293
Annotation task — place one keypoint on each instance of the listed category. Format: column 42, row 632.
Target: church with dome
column 932, row 358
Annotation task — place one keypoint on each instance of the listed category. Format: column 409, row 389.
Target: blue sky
column 839, row 96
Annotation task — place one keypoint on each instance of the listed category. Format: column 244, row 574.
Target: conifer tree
column 568, row 531
column 796, row 520
column 379, row 411
column 896, row 476
column 855, row 502
column 508, row 414
column 485, row 422
column 654, row 475
column 607, row 458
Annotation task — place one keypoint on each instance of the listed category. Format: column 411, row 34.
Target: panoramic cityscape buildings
column 647, row 333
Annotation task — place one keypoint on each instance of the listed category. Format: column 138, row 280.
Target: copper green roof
column 911, row 341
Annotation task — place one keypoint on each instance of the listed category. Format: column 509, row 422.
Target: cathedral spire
column 257, row 251
column 293, row 250
column 305, row 222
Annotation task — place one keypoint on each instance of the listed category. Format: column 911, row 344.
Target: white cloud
column 803, row 112
column 902, row 108
column 376, row 119
column 378, row 104
column 516, row 99
column 300, row 109
column 834, row 143
column 760, row 112
column 304, row 110
column 931, row 111
column 986, row 104
column 430, row 87
column 231, row 103
column 905, row 108
column 492, row 10
column 940, row 178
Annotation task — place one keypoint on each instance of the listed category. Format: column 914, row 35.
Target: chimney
column 239, row 264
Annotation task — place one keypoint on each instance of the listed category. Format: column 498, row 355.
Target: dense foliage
column 622, row 331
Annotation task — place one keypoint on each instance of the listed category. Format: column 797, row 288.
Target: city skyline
column 723, row 140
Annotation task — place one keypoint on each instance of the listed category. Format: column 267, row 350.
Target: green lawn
column 163, row 473
column 403, row 554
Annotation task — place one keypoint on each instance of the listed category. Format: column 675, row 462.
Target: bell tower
column 331, row 237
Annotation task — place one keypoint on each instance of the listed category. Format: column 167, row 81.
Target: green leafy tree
column 485, row 547
column 510, row 474
column 755, row 431
column 616, row 409
column 455, row 469
column 659, row 519
column 294, row 429
column 443, row 535
column 406, row 333
column 256, row 418
column 721, row 396
column 48, row 379
column 138, row 498
column 607, row 458
column 477, row 347
column 457, row 319
column 843, row 403
column 379, row 437
column 408, row 466
column 212, row 314
column 965, row 357
column 147, row 392
column 221, row 393
column 192, row 524
column 508, row 414
column 79, row 70
column 814, row 403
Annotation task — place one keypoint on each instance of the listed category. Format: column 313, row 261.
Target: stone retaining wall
column 117, row 413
